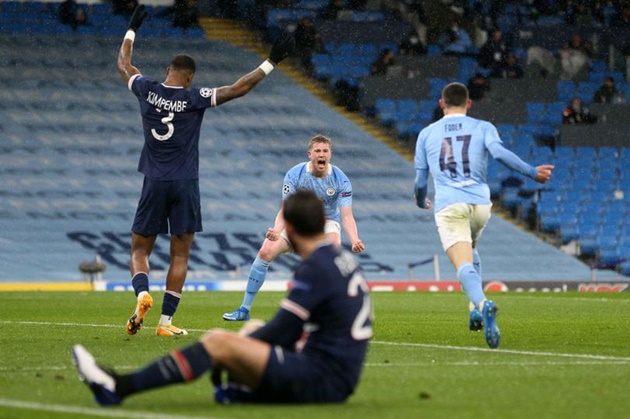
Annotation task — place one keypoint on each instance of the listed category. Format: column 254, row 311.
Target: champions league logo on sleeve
column 286, row 189
column 205, row 92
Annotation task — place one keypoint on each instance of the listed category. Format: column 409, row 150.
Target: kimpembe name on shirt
column 167, row 105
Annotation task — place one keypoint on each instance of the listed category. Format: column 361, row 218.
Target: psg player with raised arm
column 172, row 112
column 312, row 351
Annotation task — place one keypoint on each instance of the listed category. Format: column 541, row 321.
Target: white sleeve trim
column 295, row 308
column 131, row 79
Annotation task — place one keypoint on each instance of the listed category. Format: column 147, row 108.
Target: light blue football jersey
column 334, row 189
column 455, row 150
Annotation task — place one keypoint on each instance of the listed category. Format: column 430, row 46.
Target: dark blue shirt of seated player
column 171, row 120
column 328, row 314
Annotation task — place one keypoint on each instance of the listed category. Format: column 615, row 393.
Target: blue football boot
column 240, row 315
column 491, row 330
column 475, row 323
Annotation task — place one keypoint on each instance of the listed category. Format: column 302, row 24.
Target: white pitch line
column 107, row 326
column 490, row 364
column 107, row 413
column 548, row 296
column 505, row 351
column 377, row 342
column 370, row 364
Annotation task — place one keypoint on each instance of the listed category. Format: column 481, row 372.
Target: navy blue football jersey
column 330, row 294
column 171, row 120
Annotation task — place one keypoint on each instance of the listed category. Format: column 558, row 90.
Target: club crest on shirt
column 205, row 92
column 330, row 191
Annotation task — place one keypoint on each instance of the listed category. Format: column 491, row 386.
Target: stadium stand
column 72, row 137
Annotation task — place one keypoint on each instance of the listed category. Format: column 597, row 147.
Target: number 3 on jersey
column 166, row 121
column 447, row 157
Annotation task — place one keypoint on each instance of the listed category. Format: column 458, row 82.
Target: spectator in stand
column 70, row 13
column 576, row 113
column 608, row 93
column 186, row 14
column 493, row 54
column 307, row 41
column 619, row 33
column 124, row 7
column 574, row 56
column 477, row 86
column 579, row 13
column 412, row 45
column 385, row 59
column 622, row 18
column 332, row 8
column 512, row 68
column 455, row 40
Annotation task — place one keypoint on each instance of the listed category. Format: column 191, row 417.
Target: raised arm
column 125, row 68
column 281, row 49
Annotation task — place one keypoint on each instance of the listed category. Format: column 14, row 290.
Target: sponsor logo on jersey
column 346, row 194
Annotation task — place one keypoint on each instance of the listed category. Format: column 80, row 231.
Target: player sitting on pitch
column 312, row 351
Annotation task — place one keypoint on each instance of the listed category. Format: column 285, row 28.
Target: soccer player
column 172, row 113
column 312, row 351
column 333, row 188
column 455, row 151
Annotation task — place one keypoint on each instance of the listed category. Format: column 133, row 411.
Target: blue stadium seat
column 608, row 153
column 586, row 90
column 564, row 153
column 12, row 7
column 566, row 90
column 535, row 111
column 407, row 105
column 586, row 152
column 434, row 50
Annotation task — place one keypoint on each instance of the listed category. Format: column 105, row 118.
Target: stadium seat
column 565, row 90
column 608, row 153
column 535, row 112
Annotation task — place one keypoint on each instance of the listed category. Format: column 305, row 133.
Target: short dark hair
column 305, row 212
column 319, row 138
column 455, row 95
column 183, row 62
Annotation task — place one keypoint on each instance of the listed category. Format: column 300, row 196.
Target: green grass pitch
column 561, row 356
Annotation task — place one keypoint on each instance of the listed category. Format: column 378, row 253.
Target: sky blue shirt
column 171, row 121
column 454, row 150
column 334, row 189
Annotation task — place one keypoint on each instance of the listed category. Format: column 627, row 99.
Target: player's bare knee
column 217, row 344
column 270, row 250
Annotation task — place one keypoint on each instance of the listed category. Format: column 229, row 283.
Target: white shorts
column 462, row 223
column 330, row 227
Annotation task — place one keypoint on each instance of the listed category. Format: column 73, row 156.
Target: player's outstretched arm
column 543, row 173
column 349, row 225
column 511, row 160
column 281, row 49
column 125, row 68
